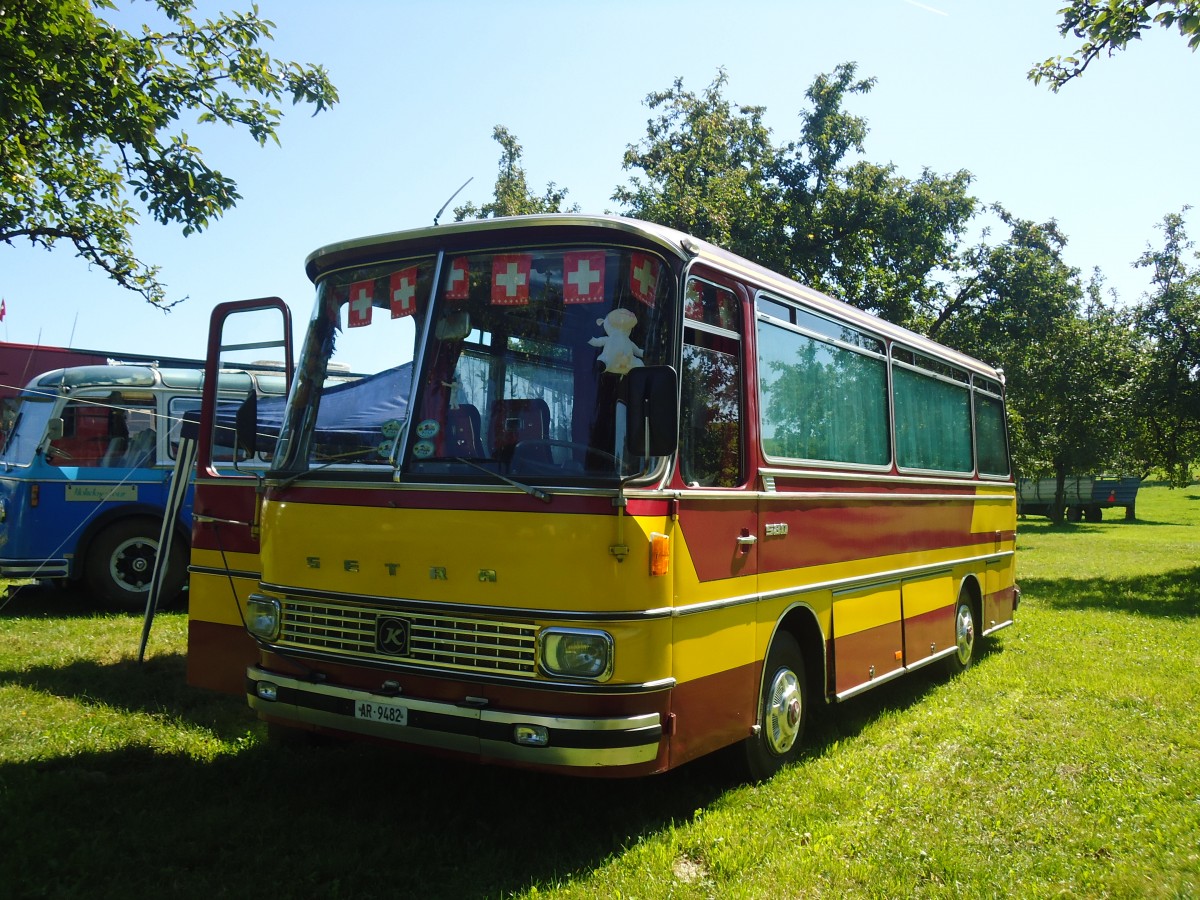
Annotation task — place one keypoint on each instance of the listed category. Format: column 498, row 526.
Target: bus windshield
column 29, row 427
column 513, row 363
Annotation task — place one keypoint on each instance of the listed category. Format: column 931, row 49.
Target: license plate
column 384, row 713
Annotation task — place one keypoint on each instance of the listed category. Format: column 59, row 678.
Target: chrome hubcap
column 964, row 630
column 132, row 564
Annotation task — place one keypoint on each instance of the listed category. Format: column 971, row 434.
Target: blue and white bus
column 86, row 469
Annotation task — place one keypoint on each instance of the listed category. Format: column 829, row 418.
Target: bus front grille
column 413, row 638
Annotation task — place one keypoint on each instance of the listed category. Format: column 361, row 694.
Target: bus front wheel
column 120, row 564
column 783, row 711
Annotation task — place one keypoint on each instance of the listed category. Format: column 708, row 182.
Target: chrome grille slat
column 433, row 640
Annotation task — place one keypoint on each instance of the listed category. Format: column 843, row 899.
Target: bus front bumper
column 467, row 727
column 35, row 568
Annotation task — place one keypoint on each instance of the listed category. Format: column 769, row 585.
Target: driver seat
column 513, row 421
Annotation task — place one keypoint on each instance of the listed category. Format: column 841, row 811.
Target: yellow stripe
column 210, row 597
column 866, row 609
column 996, row 512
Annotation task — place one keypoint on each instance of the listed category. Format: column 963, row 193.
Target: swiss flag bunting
column 361, row 296
column 403, row 292
column 643, row 277
column 510, row 279
column 583, row 277
column 458, row 281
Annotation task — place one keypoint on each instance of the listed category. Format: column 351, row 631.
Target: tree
column 1073, row 399
column 512, row 194
column 1003, row 297
column 858, row 229
column 1068, row 358
column 1168, row 388
column 855, row 229
column 91, row 115
column 1109, row 26
column 707, row 170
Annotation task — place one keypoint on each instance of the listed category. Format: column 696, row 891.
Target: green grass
column 1063, row 764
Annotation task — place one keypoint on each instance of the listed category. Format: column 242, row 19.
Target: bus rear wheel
column 783, row 711
column 120, row 565
column 965, row 633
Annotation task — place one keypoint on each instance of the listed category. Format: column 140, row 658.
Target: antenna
column 452, row 196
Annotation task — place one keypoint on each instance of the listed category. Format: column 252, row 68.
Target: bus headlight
column 263, row 617
column 576, row 653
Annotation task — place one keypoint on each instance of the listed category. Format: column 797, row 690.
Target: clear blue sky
column 423, row 83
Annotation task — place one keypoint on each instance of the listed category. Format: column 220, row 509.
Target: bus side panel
column 218, row 656
column 717, row 681
column 69, row 501
column 999, row 599
column 225, row 569
column 868, row 637
column 17, row 525
column 928, row 615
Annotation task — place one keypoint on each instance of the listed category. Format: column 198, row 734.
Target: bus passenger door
column 225, row 567
column 715, row 663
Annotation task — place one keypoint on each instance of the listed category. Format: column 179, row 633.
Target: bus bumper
column 35, row 568
column 475, row 729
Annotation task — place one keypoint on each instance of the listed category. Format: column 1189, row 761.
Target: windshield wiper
column 330, row 461
column 527, row 488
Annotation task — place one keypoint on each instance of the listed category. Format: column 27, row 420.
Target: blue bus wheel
column 120, row 564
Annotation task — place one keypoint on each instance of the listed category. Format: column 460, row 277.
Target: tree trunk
column 1058, row 508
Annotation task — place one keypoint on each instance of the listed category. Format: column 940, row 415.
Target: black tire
column 966, row 636
column 120, row 565
column 782, row 711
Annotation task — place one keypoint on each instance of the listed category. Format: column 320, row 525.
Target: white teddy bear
column 619, row 354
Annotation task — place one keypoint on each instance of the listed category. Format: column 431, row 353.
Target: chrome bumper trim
column 466, row 728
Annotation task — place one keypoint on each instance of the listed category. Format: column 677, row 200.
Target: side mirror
column 652, row 411
column 54, row 429
column 247, row 425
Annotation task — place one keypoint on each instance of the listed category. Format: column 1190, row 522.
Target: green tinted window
column 991, row 444
column 933, row 422
column 821, row 401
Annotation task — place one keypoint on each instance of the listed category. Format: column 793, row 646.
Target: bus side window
column 86, row 434
column 97, row 432
column 710, row 426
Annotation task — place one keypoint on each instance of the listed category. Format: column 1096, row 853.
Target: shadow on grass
column 1168, row 595
column 157, row 687
column 332, row 820
column 39, row 601
column 839, row 721
column 47, row 601
column 351, row 820
column 1045, row 526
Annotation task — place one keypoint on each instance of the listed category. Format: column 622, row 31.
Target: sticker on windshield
column 423, row 449
column 428, row 428
column 390, row 428
column 385, row 448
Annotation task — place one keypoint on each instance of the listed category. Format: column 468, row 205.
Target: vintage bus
column 85, row 472
column 615, row 499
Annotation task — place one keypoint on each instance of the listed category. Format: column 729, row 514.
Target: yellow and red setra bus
column 607, row 498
